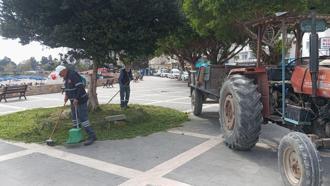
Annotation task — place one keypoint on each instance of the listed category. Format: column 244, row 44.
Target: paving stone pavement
column 193, row 154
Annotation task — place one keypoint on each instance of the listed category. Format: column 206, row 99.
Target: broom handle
column 75, row 108
column 58, row 119
column 113, row 97
column 117, row 92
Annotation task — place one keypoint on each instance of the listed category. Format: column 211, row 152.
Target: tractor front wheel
column 299, row 161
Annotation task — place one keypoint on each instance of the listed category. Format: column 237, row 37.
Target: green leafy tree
column 47, row 63
column 28, row 65
column 7, row 66
column 10, row 68
column 227, row 18
column 44, row 60
column 221, row 38
column 92, row 29
column 184, row 44
column 4, row 62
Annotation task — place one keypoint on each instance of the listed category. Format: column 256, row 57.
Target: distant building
column 244, row 56
column 247, row 55
column 163, row 62
column 324, row 44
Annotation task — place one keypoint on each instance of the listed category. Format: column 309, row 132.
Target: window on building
column 244, row 55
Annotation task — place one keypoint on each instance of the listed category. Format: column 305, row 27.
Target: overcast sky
column 17, row 52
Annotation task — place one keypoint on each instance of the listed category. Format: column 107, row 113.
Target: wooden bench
column 13, row 91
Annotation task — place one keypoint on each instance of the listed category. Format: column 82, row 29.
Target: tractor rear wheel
column 240, row 112
column 299, row 161
column 196, row 102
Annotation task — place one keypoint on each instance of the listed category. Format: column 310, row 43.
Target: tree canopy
column 97, row 27
column 197, row 35
column 94, row 29
column 225, row 19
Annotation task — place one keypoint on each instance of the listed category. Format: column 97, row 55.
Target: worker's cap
column 59, row 69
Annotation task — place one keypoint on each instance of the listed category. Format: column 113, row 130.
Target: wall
column 55, row 88
column 43, row 89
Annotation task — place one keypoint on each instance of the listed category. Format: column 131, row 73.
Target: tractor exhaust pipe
column 314, row 53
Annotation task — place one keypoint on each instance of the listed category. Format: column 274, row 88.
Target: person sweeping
column 75, row 92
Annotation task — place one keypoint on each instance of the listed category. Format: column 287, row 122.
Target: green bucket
column 75, row 136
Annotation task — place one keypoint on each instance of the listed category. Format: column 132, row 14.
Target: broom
column 50, row 141
column 75, row 134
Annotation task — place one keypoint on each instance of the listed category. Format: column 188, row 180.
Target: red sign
column 325, row 43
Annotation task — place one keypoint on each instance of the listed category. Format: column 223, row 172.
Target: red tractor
column 295, row 95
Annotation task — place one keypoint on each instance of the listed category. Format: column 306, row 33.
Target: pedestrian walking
column 75, row 92
column 124, row 79
column 141, row 74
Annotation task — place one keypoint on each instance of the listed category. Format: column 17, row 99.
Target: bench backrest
column 15, row 89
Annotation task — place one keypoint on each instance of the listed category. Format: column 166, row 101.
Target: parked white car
column 185, row 76
column 174, row 74
column 159, row 71
column 164, row 73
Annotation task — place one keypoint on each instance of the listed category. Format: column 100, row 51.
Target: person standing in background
column 124, row 79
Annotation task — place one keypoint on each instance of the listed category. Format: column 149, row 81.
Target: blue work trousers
column 82, row 115
column 125, row 91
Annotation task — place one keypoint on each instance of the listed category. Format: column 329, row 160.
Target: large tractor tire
column 299, row 161
column 196, row 102
column 240, row 112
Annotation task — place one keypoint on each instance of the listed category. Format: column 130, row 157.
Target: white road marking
column 181, row 103
column 162, row 182
column 25, row 102
column 167, row 95
column 24, row 109
column 172, row 164
column 131, row 99
column 153, row 90
column 164, row 101
column 204, row 136
column 9, row 112
column 204, row 107
column 16, row 155
column 141, row 99
column 10, row 106
column 39, row 98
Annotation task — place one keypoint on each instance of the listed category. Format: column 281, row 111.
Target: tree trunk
column 93, row 103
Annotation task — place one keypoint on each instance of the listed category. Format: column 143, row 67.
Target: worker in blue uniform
column 124, row 79
column 75, row 92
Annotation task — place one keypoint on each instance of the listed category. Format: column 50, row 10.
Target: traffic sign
column 306, row 25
